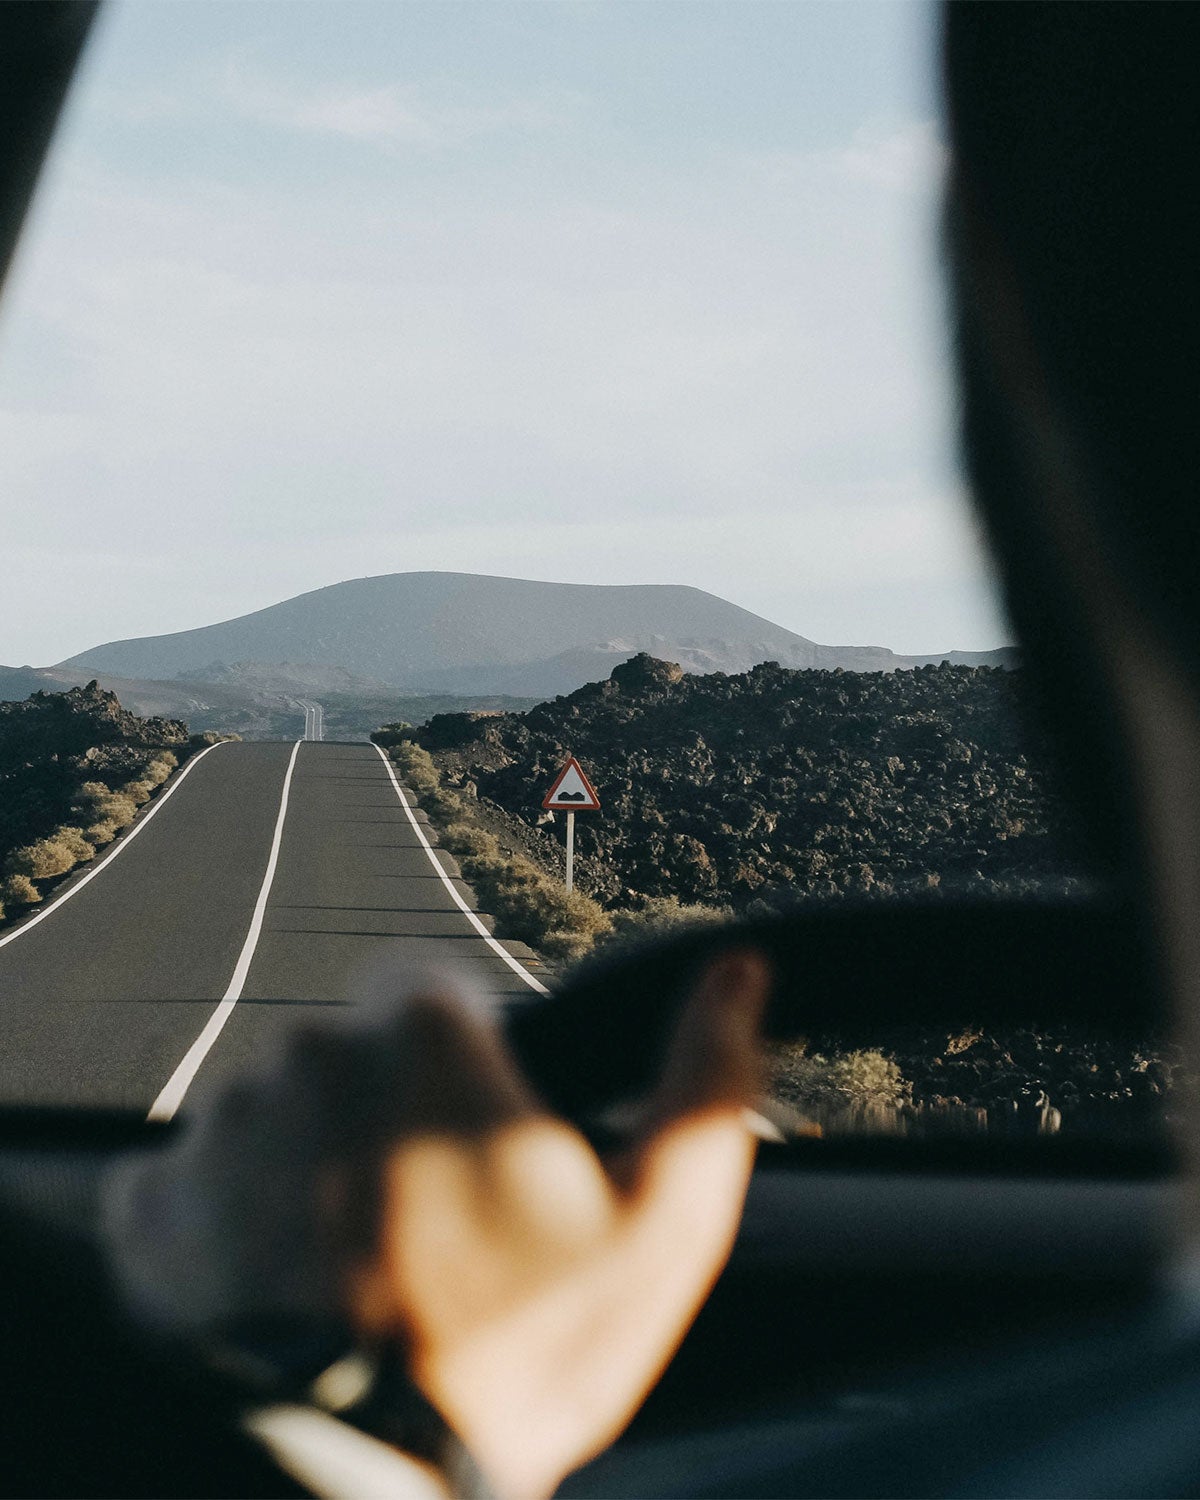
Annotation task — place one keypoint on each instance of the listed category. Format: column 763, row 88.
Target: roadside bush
column 55, row 855
column 20, row 890
column 104, row 805
column 42, row 860
column 392, row 735
column 448, row 806
column 658, row 915
column 101, row 811
column 417, row 767
column 205, row 737
column 160, row 768
column 137, row 790
column 418, row 771
column 820, row 1085
column 530, row 904
column 76, row 843
column 527, row 904
column 463, row 839
column 115, row 808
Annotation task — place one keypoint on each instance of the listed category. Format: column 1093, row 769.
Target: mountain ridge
column 468, row 633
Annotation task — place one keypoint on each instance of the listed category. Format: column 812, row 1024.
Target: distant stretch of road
column 314, row 720
column 270, row 885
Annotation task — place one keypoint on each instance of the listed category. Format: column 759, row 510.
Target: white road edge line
column 497, row 948
column 165, row 1106
column 122, row 843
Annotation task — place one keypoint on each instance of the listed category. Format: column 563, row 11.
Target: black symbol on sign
column 572, row 797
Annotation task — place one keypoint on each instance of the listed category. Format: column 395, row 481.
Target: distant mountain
column 469, row 633
column 20, row 682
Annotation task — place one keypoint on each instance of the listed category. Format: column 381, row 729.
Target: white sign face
column 572, row 792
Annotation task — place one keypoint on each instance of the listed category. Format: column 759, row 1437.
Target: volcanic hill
column 466, row 633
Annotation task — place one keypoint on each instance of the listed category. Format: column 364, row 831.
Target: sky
column 607, row 292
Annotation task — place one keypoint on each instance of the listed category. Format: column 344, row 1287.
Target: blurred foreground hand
column 540, row 1290
column 395, row 1177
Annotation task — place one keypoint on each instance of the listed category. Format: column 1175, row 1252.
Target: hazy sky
column 614, row 292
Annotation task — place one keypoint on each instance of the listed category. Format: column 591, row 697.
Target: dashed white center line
column 168, row 1102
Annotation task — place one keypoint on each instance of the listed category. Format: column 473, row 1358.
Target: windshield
column 409, row 407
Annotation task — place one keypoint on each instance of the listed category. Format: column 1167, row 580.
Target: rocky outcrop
column 783, row 786
column 51, row 743
column 778, row 785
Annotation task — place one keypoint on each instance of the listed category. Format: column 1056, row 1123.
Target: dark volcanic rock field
column 776, row 784
column 51, row 743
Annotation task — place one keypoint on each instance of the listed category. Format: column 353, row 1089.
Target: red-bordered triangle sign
column 572, row 792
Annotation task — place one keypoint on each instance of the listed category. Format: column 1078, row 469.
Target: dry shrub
column 41, row 860
column 418, row 770
column 464, row 839
column 527, row 903
column 116, row 808
column 76, row 842
column 583, row 913
column 821, row 1086
column 160, row 768
column 20, row 890
column 103, row 805
column 101, row 811
column 664, row 914
column 205, row 737
column 446, row 807
column 498, row 878
column 416, row 766
column 392, row 735
column 567, row 947
column 54, row 855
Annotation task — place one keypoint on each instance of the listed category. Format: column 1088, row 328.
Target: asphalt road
column 105, row 997
column 314, row 719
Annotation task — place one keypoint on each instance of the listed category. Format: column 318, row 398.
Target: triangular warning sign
column 572, row 792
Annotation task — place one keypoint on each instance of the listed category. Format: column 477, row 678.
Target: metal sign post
column 572, row 792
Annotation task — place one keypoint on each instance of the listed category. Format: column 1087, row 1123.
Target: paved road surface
column 314, row 719
column 102, row 1000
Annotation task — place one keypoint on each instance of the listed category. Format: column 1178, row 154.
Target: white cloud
column 910, row 159
column 394, row 115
